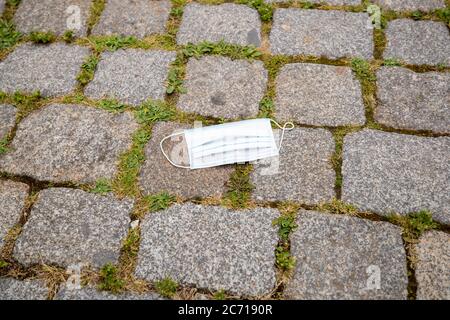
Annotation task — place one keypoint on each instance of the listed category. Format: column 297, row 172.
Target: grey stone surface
column 390, row 172
column 336, row 256
column 69, row 226
column 12, row 289
column 12, row 202
column 333, row 34
column 411, row 5
column 433, row 266
column 329, row 2
column 417, row 101
column 316, row 94
column 7, row 119
column 418, row 42
column 137, row 18
column 62, row 143
column 224, row 88
column 53, row 16
column 90, row 293
column 158, row 175
column 50, row 69
column 131, row 76
column 2, row 6
column 232, row 23
column 210, row 247
column 302, row 172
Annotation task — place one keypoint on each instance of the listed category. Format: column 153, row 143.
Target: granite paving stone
column 210, row 247
column 433, row 266
column 223, row 88
column 137, row 18
column 321, row 95
column 303, row 171
column 53, row 16
column 342, row 258
column 131, row 76
column 158, row 175
column 12, row 202
column 90, row 293
column 50, row 69
column 77, row 143
column 397, row 173
column 418, row 42
column 411, row 5
column 329, row 2
column 69, row 226
column 232, row 23
column 12, row 289
column 333, row 34
column 7, row 119
column 416, row 101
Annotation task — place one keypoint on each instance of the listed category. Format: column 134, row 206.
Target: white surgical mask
column 228, row 143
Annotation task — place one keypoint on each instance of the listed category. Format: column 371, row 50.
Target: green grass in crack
column 239, row 188
column 220, row 295
column 362, row 70
column 125, row 184
column 166, row 287
column 110, row 43
column 159, row 202
column 286, row 225
column 415, row 224
column 26, row 103
column 97, row 8
column 266, row 108
column 102, row 186
column 110, row 280
column 175, row 82
column 153, row 111
column 8, row 34
column 3, row 145
column 264, row 9
column 392, row 62
column 220, row 48
column 42, row 37
column 444, row 15
column 88, row 69
column 68, row 36
column 111, row 105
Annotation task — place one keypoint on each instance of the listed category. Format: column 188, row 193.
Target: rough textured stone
column 433, row 266
column 12, row 289
column 69, row 226
column 2, row 6
column 320, row 95
column 137, row 18
column 418, row 42
column 50, row 69
column 158, row 175
column 302, row 172
column 210, row 247
column 333, row 34
column 390, row 172
column 7, row 119
column 12, row 202
column 77, row 143
column 409, row 100
column 411, row 5
column 336, row 256
column 131, row 76
column 53, row 16
column 232, row 23
column 220, row 87
column 90, row 293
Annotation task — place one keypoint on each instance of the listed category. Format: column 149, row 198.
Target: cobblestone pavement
column 357, row 206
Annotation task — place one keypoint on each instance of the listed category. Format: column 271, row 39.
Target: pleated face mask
column 229, row 143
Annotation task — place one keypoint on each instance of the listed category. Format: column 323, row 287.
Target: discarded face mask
column 234, row 142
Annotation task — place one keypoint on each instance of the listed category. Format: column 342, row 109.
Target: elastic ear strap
column 164, row 153
column 283, row 128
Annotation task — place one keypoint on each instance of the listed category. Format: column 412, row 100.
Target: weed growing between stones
column 97, row 8
column 391, row 62
column 159, row 202
column 4, row 145
column 88, row 69
column 102, row 187
column 68, row 36
column 112, row 105
column 153, row 111
column 166, row 287
column 264, row 9
column 266, row 108
column 109, row 279
column 25, row 103
column 8, row 34
column 239, row 186
column 42, row 37
column 220, row 48
column 413, row 225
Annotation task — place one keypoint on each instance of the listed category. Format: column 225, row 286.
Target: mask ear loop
column 165, row 154
column 288, row 126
